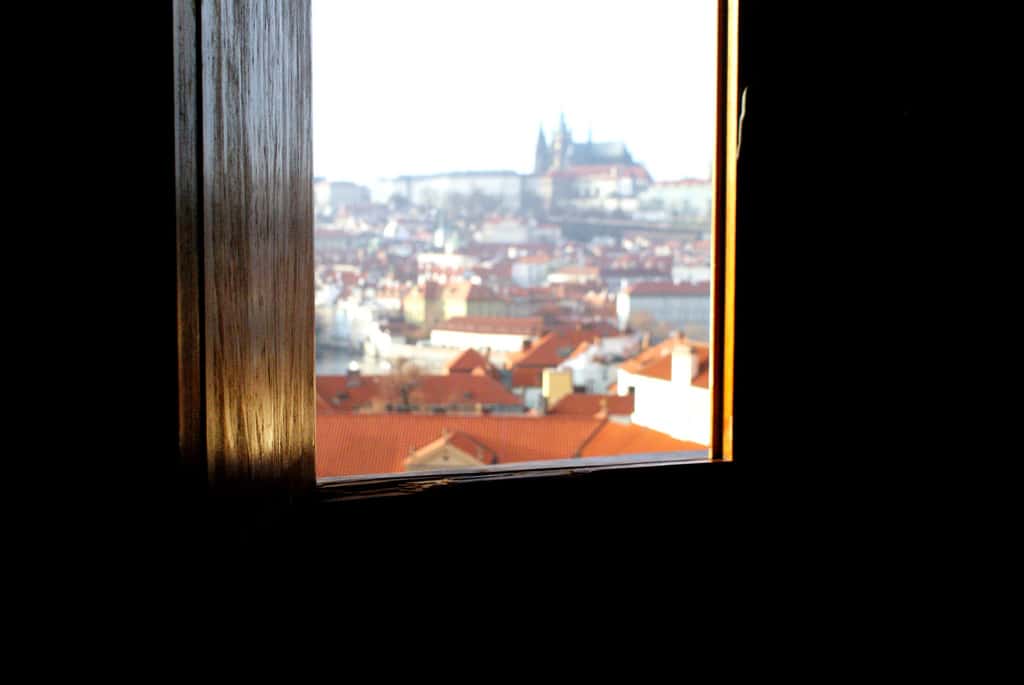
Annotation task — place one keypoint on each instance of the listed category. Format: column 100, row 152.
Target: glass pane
column 513, row 204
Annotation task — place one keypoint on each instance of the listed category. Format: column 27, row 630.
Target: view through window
column 513, row 231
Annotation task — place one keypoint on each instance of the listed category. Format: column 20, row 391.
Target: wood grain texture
column 257, row 243
column 188, row 256
column 723, row 247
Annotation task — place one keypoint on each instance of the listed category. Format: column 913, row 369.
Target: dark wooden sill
column 350, row 488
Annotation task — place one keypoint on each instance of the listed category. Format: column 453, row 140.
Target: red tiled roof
column 656, row 361
column 465, row 290
column 580, row 349
column 467, row 361
column 601, row 329
column 527, row 377
column 616, row 438
column 552, row 349
column 455, row 389
column 582, row 404
column 351, row 444
column 658, row 368
column 652, row 355
column 523, row 325
column 660, row 288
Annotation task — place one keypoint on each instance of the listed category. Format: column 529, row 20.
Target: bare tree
column 400, row 388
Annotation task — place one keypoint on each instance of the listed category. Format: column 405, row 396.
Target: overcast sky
column 428, row 86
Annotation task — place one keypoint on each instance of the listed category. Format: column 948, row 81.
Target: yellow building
column 423, row 305
column 467, row 299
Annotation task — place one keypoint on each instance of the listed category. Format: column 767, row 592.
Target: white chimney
column 683, row 365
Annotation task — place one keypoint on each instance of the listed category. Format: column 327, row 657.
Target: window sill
column 346, row 488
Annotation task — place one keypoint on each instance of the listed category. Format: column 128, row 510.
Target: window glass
column 513, row 231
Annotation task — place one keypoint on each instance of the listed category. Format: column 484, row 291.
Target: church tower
column 542, row 159
column 561, row 142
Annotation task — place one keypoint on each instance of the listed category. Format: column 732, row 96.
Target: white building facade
column 675, row 406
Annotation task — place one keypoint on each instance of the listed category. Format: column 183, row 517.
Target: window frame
column 203, row 386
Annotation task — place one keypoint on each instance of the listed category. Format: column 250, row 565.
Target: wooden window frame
column 244, row 223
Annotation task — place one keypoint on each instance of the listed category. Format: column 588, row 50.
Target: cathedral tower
column 542, row 159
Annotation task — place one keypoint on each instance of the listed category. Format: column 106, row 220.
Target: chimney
column 684, row 365
column 645, row 341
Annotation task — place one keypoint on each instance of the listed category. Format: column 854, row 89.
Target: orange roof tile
column 467, row 361
column 656, row 361
column 659, row 368
column 651, row 355
column 455, row 389
column 527, row 377
column 552, row 349
column 352, row 444
column 616, row 438
column 583, row 404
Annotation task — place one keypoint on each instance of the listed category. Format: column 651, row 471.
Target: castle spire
column 542, row 157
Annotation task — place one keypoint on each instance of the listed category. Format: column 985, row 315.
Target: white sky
column 428, row 86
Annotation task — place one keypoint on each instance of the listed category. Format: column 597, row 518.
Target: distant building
column 530, row 272
column 501, row 334
column 332, row 196
column 682, row 306
column 467, row 299
column 594, row 364
column 687, row 199
column 584, row 175
column 459, row 393
column 423, row 304
column 575, row 274
column 503, row 230
column 691, row 273
column 487, row 190
column 548, row 352
column 564, row 153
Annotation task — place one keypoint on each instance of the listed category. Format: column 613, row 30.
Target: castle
column 564, row 153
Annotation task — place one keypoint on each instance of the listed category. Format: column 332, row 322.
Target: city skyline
column 473, row 97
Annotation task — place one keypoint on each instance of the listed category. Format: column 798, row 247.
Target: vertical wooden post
column 723, row 295
column 245, row 243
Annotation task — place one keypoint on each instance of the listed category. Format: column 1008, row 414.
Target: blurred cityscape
column 461, row 301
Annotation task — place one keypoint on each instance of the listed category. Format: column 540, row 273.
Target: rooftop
column 508, row 325
column 661, row 288
column 582, row 404
column 345, row 394
column 353, row 444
